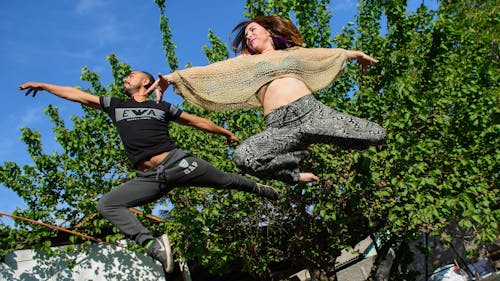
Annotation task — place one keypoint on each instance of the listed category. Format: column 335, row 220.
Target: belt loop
column 159, row 169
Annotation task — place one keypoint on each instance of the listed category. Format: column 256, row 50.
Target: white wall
column 101, row 262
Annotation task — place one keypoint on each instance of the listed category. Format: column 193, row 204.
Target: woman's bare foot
column 308, row 177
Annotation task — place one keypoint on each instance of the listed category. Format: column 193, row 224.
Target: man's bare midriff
column 151, row 162
column 281, row 92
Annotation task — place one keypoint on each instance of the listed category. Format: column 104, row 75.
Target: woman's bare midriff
column 281, row 92
column 151, row 162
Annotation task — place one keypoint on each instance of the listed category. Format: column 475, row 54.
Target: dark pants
column 178, row 169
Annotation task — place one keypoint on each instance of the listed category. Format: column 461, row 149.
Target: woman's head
column 281, row 32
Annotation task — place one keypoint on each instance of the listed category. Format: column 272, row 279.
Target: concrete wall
column 101, row 262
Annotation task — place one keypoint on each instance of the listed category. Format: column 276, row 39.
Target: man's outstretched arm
column 65, row 92
column 205, row 125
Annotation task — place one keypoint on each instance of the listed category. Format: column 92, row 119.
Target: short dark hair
column 149, row 76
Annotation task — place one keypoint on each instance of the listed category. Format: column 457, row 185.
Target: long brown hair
column 283, row 32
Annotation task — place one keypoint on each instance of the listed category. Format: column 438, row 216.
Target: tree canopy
column 435, row 90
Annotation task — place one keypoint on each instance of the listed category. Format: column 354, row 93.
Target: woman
column 274, row 72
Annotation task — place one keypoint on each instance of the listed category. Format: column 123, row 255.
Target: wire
column 88, row 237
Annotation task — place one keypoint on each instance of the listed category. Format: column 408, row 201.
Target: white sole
column 169, row 266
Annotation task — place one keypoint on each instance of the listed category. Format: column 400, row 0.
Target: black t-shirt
column 143, row 126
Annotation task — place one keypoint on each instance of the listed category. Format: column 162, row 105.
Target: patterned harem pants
column 277, row 152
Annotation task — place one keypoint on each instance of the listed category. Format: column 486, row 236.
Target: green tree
column 435, row 90
column 61, row 188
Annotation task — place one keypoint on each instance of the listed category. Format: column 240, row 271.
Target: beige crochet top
column 234, row 83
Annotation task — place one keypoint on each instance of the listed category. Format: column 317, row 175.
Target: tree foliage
column 435, row 90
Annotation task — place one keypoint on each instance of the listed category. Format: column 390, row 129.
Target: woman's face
column 258, row 39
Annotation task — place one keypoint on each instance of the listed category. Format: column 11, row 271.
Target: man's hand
column 159, row 86
column 65, row 92
column 31, row 87
column 362, row 58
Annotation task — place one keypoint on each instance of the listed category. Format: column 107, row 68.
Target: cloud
column 107, row 32
column 83, row 54
column 88, row 6
column 102, row 23
column 31, row 116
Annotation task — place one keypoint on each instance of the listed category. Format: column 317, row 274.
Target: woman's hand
column 362, row 58
column 159, row 86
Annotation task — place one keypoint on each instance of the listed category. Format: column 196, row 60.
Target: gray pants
column 276, row 152
column 178, row 169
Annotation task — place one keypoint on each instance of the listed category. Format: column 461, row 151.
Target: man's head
column 137, row 81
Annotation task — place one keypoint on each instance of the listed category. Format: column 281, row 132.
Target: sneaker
column 160, row 250
column 266, row 191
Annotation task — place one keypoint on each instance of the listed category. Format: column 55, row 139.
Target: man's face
column 133, row 82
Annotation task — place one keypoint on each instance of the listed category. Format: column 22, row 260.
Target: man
column 160, row 165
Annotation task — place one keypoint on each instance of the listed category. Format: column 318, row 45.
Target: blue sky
column 50, row 41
